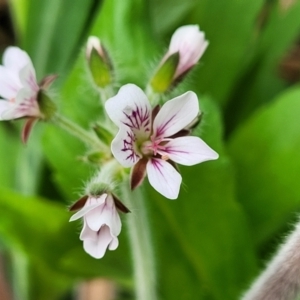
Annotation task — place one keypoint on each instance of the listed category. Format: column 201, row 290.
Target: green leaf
column 41, row 230
column 53, row 32
column 202, row 238
column 265, row 151
column 260, row 81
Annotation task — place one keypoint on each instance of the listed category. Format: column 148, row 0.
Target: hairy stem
column 141, row 245
column 77, row 131
column 281, row 278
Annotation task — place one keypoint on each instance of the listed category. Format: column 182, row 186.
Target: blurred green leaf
column 265, row 151
column 260, row 80
column 53, row 32
column 40, row 229
column 203, row 238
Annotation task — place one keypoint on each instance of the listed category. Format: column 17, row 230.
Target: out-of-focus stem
column 141, row 245
column 281, row 278
column 83, row 135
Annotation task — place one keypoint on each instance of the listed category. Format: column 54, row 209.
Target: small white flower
column 154, row 141
column 18, row 86
column 190, row 42
column 101, row 224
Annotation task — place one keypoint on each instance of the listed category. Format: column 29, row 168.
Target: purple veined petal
column 28, row 78
column 164, row 178
column 6, row 108
column 25, row 105
column 15, row 59
column 9, row 83
column 188, row 151
column 89, row 205
column 96, row 243
column 130, row 107
column 175, row 114
column 123, row 147
column 102, row 215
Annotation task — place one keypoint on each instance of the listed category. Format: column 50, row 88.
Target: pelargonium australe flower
column 18, row 86
column 190, row 42
column 19, row 89
column 153, row 141
column 101, row 224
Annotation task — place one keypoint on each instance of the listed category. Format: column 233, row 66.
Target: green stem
column 82, row 134
column 141, row 245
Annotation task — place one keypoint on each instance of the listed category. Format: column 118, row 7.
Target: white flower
column 101, row 224
column 18, row 86
column 153, row 142
column 190, row 42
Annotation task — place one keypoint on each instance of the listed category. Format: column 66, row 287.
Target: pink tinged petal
column 190, row 42
column 164, row 178
column 15, row 59
column 188, row 151
column 90, row 204
column 95, row 243
column 123, row 147
column 100, row 215
column 25, row 105
column 130, row 107
column 6, row 108
column 28, row 78
column 9, row 83
column 176, row 114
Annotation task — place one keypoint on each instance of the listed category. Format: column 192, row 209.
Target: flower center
column 151, row 148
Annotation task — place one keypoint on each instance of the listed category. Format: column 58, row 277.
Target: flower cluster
column 150, row 139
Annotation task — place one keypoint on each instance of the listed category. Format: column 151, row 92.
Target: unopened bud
column 99, row 62
column 103, row 134
column 189, row 43
column 163, row 78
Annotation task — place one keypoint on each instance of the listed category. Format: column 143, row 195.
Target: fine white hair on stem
column 281, row 278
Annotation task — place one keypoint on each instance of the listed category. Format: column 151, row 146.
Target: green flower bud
column 99, row 62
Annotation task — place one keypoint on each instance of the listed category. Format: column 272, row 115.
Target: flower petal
column 130, row 107
column 9, row 83
column 102, row 214
column 188, row 151
column 96, row 243
column 28, row 78
column 89, row 205
column 6, row 106
column 175, row 114
column 123, row 148
column 164, row 178
column 15, row 59
column 190, row 42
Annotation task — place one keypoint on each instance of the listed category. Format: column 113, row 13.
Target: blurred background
column 231, row 214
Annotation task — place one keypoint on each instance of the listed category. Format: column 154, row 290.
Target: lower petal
column 96, row 243
column 164, row 178
column 188, row 151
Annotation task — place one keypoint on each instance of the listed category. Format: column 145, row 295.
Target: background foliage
column 211, row 242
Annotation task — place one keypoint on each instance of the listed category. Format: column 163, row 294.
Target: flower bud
column 99, row 62
column 189, row 43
